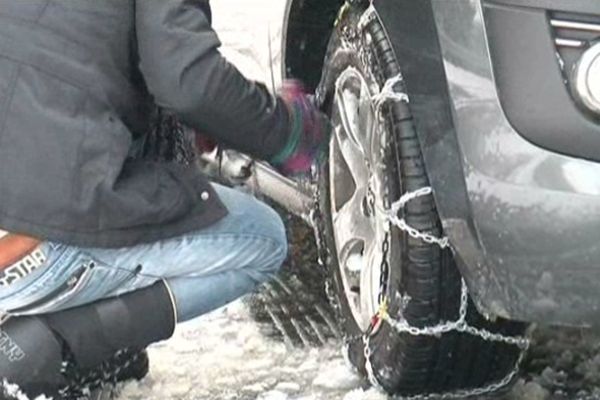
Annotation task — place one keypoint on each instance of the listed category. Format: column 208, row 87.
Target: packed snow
column 225, row 356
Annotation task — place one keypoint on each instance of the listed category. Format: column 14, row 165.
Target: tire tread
column 404, row 364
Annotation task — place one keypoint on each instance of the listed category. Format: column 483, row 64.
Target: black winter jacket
column 78, row 80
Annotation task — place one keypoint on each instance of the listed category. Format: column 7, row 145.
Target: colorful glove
column 310, row 132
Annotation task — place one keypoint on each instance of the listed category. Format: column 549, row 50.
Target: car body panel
column 536, row 212
column 530, row 75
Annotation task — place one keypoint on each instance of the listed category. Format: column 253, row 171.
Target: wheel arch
column 307, row 28
column 411, row 28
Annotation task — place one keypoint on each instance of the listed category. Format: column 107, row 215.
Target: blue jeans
column 205, row 270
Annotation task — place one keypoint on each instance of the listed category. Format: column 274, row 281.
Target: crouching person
column 101, row 254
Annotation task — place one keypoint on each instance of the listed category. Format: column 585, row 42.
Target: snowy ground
column 226, row 355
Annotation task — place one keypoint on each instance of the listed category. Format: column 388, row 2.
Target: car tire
column 423, row 284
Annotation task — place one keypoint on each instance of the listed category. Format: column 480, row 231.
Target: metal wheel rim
column 356, row 186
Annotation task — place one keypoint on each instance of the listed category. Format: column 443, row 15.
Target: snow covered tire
column 424, row 285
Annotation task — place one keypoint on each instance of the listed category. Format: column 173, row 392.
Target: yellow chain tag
column 383, row 309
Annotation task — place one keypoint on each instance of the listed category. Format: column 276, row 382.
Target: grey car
column 460, row 201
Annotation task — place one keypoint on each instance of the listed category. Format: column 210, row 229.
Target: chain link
column 388, row 93
column 391, row 215
column 367, row 17
column 368, row 366
column 460, row 325
column 471, row 393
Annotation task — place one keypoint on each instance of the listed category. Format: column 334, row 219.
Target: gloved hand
column 309, row 135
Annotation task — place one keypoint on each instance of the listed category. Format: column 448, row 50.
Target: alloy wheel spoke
column 368, row 123
column 348, row 102
column 351, row 227
column 370, row 277
column 352, row 156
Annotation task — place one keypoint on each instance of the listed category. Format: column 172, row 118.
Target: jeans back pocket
column 59, row 295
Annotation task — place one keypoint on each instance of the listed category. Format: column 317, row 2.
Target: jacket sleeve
column 184, row 71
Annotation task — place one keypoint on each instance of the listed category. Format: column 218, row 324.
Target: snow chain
column 387, row 94
column 401, row 326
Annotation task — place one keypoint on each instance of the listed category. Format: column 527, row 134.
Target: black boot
column 97, row 383
column 101, row 382
column 58, row 354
